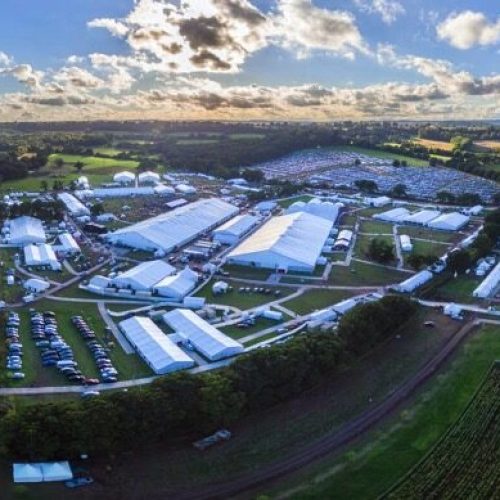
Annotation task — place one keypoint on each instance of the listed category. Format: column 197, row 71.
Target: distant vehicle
column 429, row 324
column 77, row 482
column 219, row 436
column 90, row 394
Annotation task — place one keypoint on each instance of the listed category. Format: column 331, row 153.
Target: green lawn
column 247, row 272
column 108, row 151
column 249, row 136
column 361, row 274
column 428, row 248
column 196, row 142
column 311, row 300
column 375, row 227
column 363, row 244
column 260, row 324
column 9, row 293
column 429, row 234
column 457, row 289
column 368, row 470
column 241, row 300
column 93, row 162
column 385, row 155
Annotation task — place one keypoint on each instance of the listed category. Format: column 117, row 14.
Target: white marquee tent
column 24, row 230
column 27, row 473
column 56, row 471
column 414, row 282
column 422, row 217
column 124, row 177
column 393, row 215
column 157, row 350
column 489, row 284
column 41, row 255
column 324, row 209
column 144, row 275
column 74, row 206
column 291, row 242
column 452, row 221
column 175, row 228
column 178, row 285
column 209, row 341
column 233, row 230
column 148, row 177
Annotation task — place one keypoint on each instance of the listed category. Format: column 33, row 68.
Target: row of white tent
column 162, row 352
column 23, row 231
column 154, row 277
column 38, row 472
column 434, row 219
column 489, row 285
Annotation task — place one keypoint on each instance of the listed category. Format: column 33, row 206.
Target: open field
column 196, row 142
column 260, row 324
column 93, row 162
column 415, row 162
column 241, row 300
column 428, row 248
column 244, row 137
column 362, row 274
column 372, row 467
column 464, row 463
column 247, row 272
column 312, row 300
column 430, row 234
column 375, row 227
column 363, row 244
column 429, row 144
column 108, row 151
column 493, row 145
column 271, row 434
column 457, row 289
column 9, row 293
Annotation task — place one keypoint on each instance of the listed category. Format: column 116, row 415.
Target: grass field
column 247, row 272
column 429, row 234
column 464, row 463
column 415, row 162
column 196, row 142
column 362, row 274
column 363, row 244
column 429, row 144
column 9, row 293
column 428, row 248
column 493, row 145
column 94, row 162
column 108, row 151
column 241, row 300
column 457, row 289
column 249, row 136
column 311, row 300
column 369, row 469
column 375, row 227
column 260, row 324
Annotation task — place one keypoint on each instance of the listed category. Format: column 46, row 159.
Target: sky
column 249, row 59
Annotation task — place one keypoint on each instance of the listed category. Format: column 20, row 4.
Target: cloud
column 24, row 73
column 304, row 27
column 467, row 29
column 389, row 10
column 116, row 28
column 5, row 60
column 78, row 78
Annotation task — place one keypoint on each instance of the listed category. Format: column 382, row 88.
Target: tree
column 366, row 185
column 417, row 261
column 97, row 209
column 459, row 261
column 44, row 186
column 381, row 250
column 253, row 175
column 445, row 197
column 399, row 191
column 79, row 166
column 396, row 163
column 483, row 245
column 59, row 163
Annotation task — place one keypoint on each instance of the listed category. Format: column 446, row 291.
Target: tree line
column 188, row 406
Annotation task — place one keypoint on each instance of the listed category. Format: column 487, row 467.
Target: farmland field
column 464, row 462
column 429, row 144
column 495, row 145
column 375, row 153
column 93, row 162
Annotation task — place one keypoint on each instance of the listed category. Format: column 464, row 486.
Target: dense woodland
column 186, row 405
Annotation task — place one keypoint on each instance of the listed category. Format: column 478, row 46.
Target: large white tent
column 324, row 209
column 24, row 230
column 27, row 473
column 451, row 221
column 291, row 242
column 56, row 471
column 36, row 285
column 41, row 255
column 68, row 244
column 124, row 177
column 148, row 177
column 393, row 215
column 157, row 349
column 144, row 275
column 233, row 230
column 74, row 206
column 174, row 229
column 414, row 282
column 489, row 284
column 177, row 286
column 206, row 339
column 422, row 217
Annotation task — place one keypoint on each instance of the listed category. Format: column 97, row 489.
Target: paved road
column 334, row 441
column 114, row 329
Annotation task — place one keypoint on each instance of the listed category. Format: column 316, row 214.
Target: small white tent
column 27, row 473
column 56, row 471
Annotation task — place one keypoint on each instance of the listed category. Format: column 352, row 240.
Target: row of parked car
column 14, row 347
column 265, row 291
column 54, row 350
column 108, row 372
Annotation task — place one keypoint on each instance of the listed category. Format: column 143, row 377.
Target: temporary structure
column 56, row 471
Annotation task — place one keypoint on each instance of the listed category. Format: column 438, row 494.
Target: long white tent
column 292, row 242
column 489, row 284
column 422, row 217
column 144, row 275
column 158, row 351
column 393, row 215
column 24, row 230
column 74, row 206
column 206, row 339
column 174, row 229
column 177, row 286
column 41, row 255
column 451, row 221
column 324, row 209
column 414, row 282
column 233, row 230
column 38, row 472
